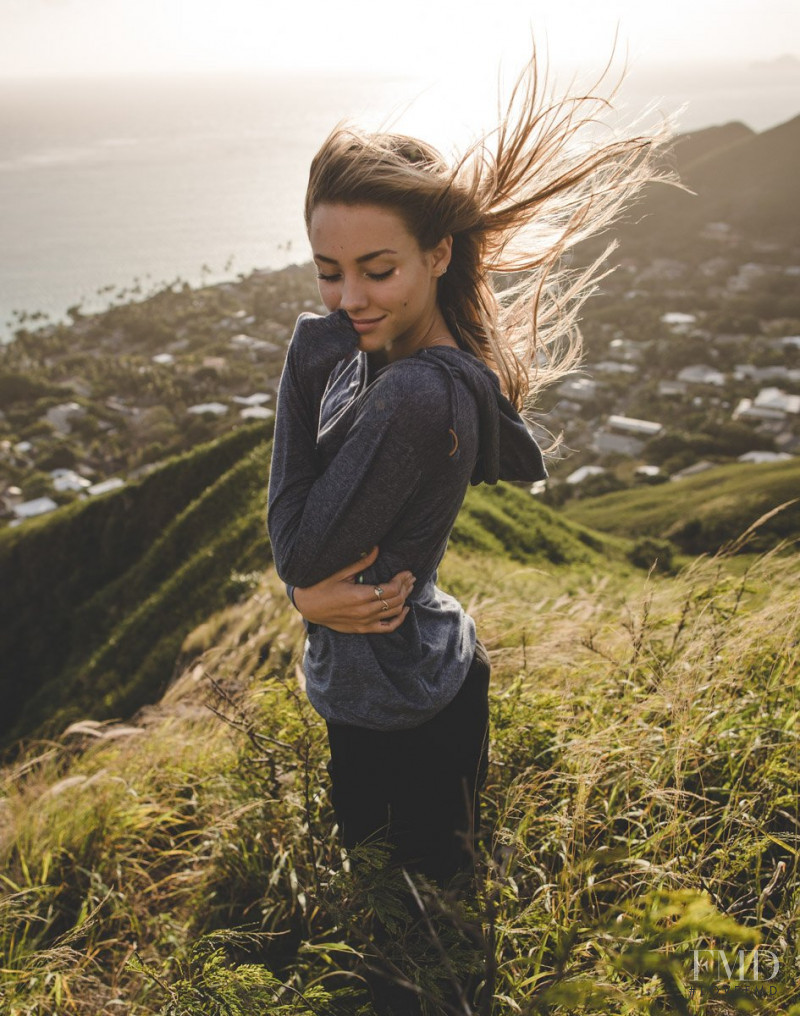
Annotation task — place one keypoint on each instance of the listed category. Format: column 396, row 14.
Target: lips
column 366, row 324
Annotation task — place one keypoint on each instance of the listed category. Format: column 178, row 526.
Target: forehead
column 349, row 231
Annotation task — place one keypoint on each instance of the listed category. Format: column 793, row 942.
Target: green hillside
column 641, row 803
column 102, row 593
column 98, row 596
column 703, row 512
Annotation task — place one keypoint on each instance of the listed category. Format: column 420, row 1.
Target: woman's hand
column 339, row 602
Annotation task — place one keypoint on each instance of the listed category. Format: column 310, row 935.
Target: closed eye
column 375, row 276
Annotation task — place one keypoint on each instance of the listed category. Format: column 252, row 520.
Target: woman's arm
column 346, row 606
column 320, row 522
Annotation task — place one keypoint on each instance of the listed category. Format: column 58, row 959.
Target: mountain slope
column 103, row 593
column 747, row 180
column 690, row 148
column 90, row 583
column 702, row 512
column 188, row 862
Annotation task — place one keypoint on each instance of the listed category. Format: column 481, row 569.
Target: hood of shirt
column 508, row 451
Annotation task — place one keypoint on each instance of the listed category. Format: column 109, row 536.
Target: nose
column 354, row 297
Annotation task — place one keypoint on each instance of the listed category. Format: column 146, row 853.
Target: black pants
column 418, row 789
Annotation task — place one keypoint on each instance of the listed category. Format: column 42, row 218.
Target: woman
column 389, row 406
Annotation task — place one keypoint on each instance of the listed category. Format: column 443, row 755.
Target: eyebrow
column 361, row 260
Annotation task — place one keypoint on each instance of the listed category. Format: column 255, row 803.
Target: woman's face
column 372, row 268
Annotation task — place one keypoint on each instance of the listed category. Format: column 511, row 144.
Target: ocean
column 107, row 185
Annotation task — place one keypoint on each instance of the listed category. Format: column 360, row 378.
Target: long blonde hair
column 519, row 199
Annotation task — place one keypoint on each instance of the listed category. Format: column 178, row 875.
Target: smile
column 366, row 324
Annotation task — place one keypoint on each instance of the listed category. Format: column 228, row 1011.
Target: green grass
column 701, row 513
column 103, row 593
column 641, row 802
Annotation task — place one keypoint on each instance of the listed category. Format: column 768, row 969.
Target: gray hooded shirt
column 364, row 456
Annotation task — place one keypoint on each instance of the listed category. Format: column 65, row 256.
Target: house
column 772, row 372
column 606, row 443
column 702, row 374
column 217, row 408
column 630, row 425
column 612, row 367
column 678, row 323
column 104, row 486
column 625, row 435
column 747, row 410
column 256, row 399
column 761, row 456
column 671, row 389
column 10, row 497
column 624, row 349
column 164, row 358
column 61, row 415
column 582, row 389
column 242, row 341
column 648, row 472
column 583, row 473
column 38, row 506
column 257, row 413
column 774, row 398
column 68, row 479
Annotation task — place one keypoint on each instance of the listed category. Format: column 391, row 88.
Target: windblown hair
column 515, row 203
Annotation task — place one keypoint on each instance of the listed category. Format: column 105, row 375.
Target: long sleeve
column 321, row 521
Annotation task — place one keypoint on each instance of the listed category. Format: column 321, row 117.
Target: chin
column 371, row 343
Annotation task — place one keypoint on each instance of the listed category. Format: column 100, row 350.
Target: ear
column 441, row 254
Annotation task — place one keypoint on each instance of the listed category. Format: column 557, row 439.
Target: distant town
column 688, row 373
column 687, row 365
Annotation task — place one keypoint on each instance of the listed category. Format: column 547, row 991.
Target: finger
column 399, row 587
column 357, row 566
column 388, row 592
column 371, row 599
column 391, row 625
column 392, row 612
column 394, row 602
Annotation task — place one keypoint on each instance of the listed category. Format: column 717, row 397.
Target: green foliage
column 94, row 592
column 701, row 513
column 104, row 593
column 641, row 803
column 212, row 987
column 17, row 387
column 505, row 520
column 649, row 553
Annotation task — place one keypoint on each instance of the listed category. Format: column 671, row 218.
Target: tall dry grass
column 641, row 803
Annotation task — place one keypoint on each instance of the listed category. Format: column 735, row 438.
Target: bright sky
column 422, row 37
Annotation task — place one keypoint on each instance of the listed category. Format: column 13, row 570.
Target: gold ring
column 378, row 591
column 385, row 605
